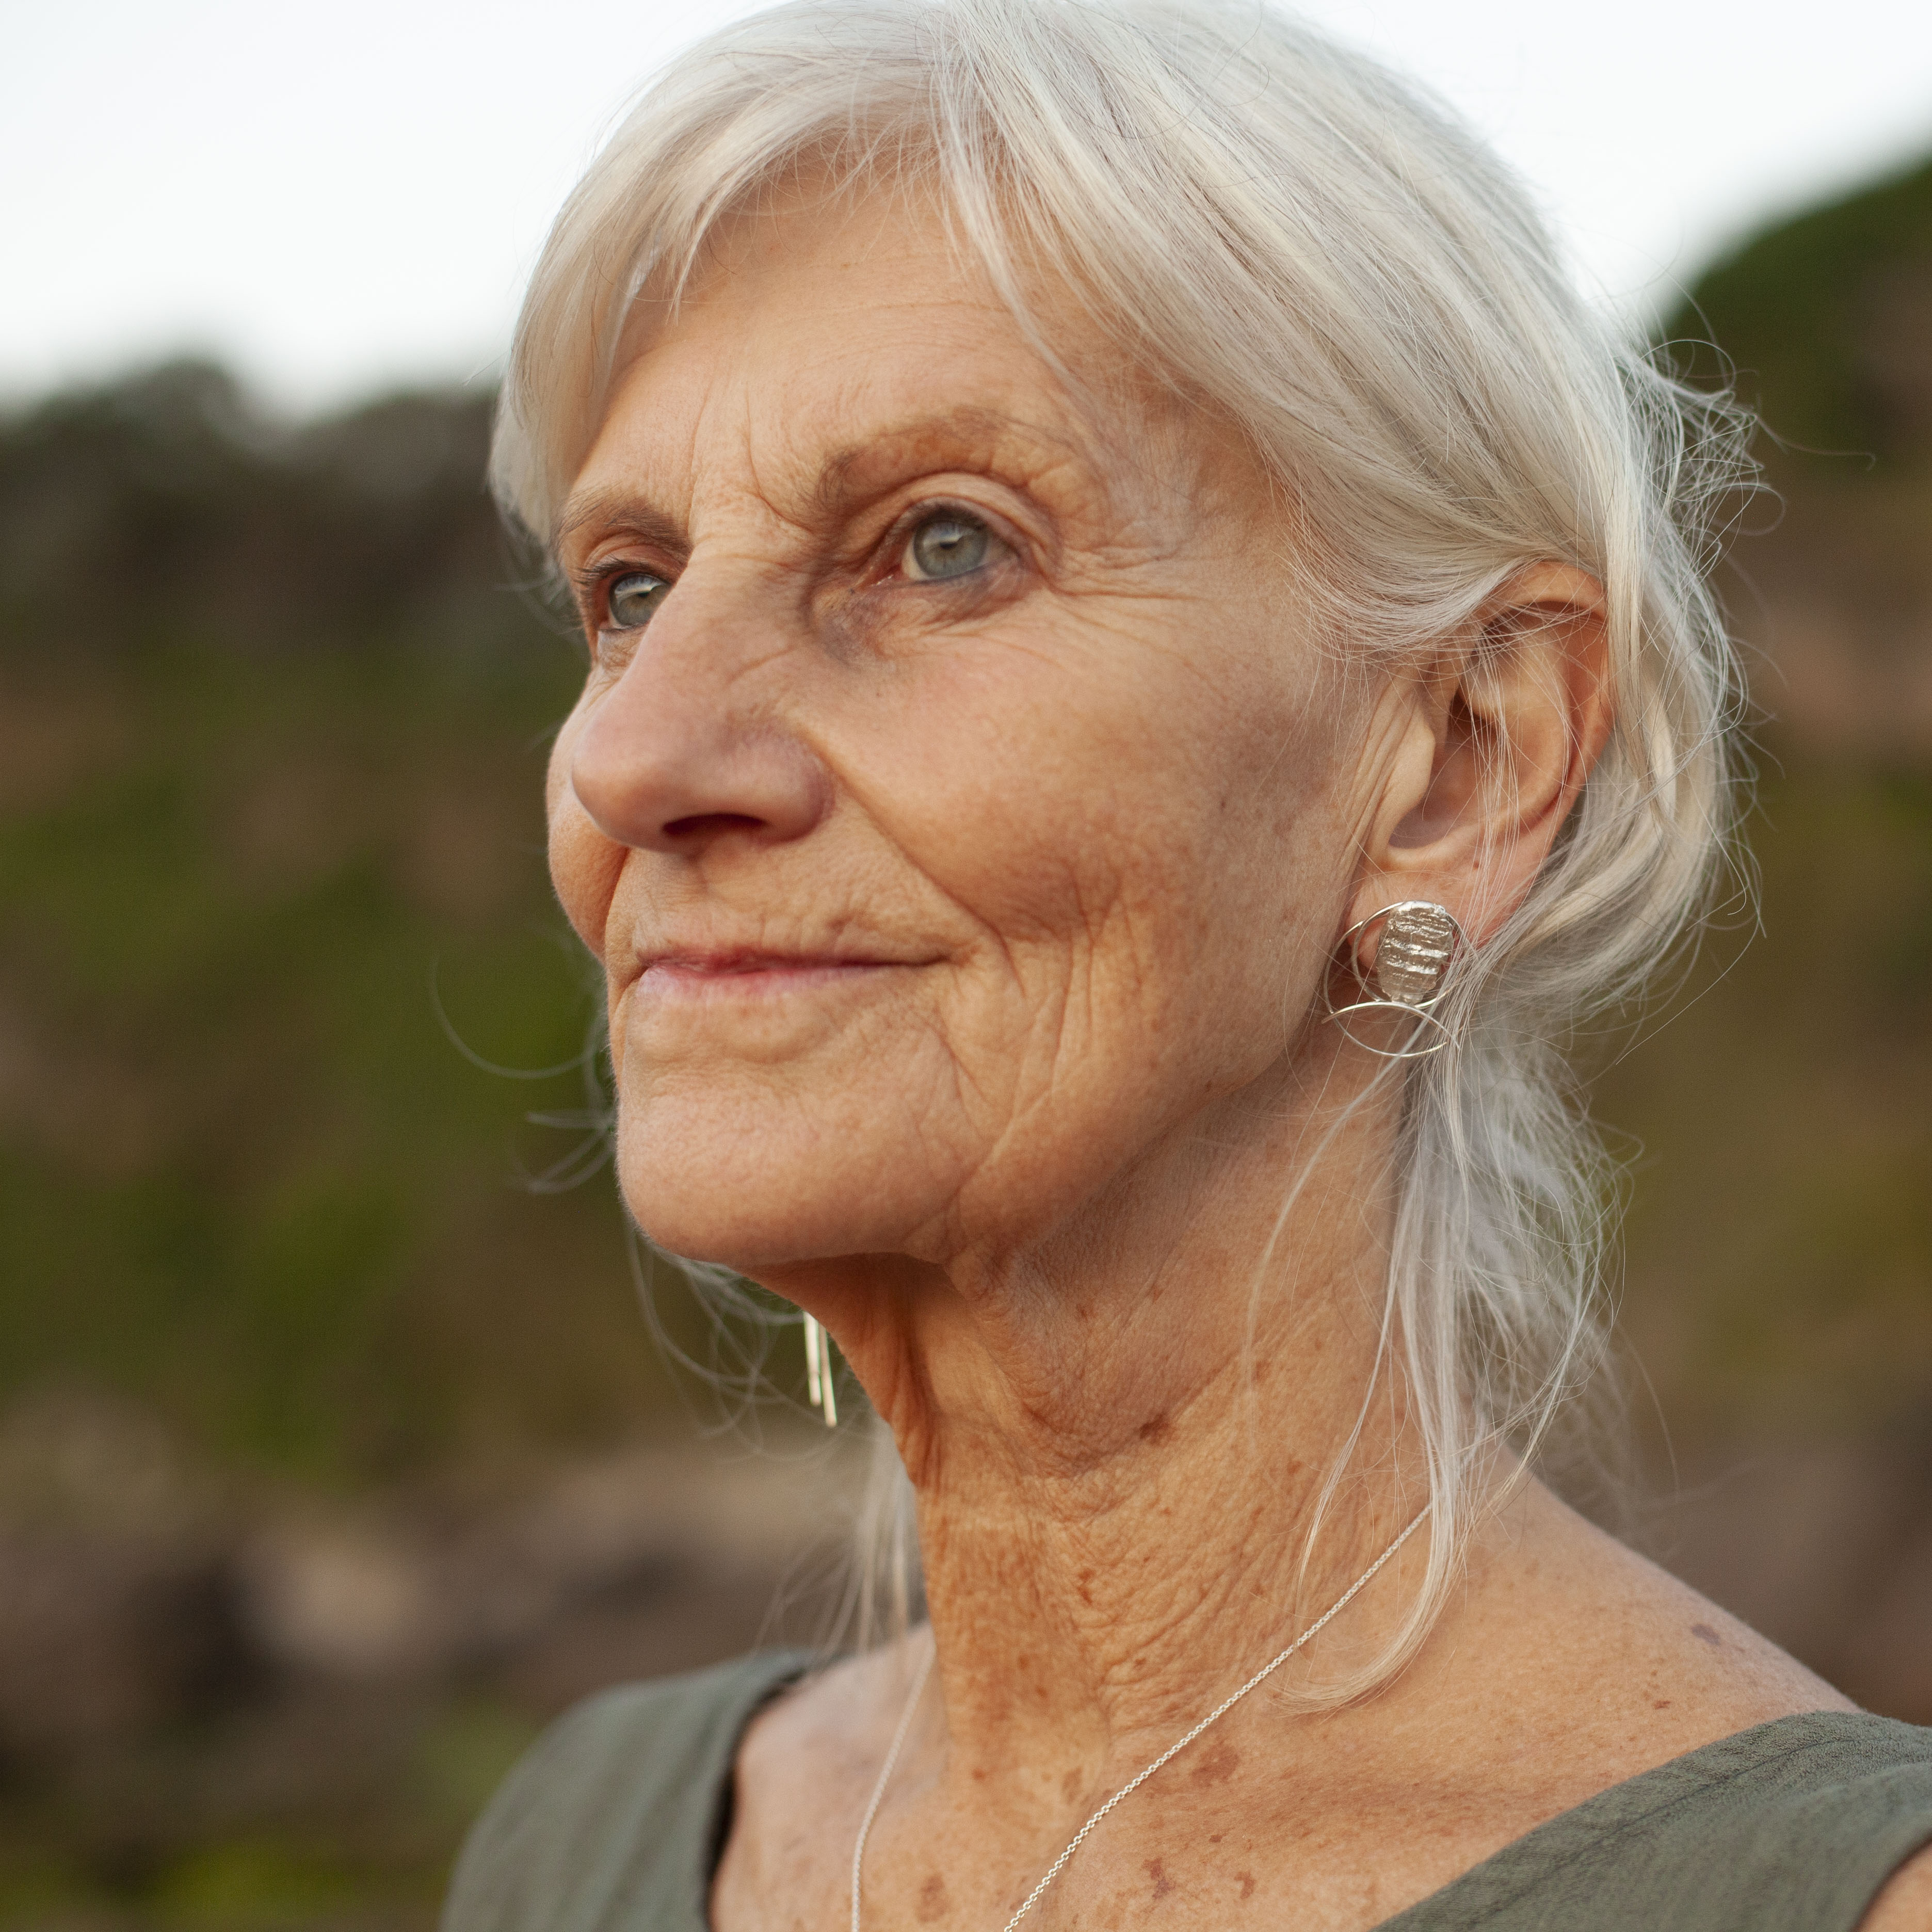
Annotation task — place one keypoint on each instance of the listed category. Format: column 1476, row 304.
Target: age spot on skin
column 1163, row 1884
column 1156, row 1430
column 1704, row 1633
column 932, row 1900
column 1219, row 1765
column 1247, row 1879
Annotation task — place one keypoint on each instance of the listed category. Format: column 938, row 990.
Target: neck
column 1119, row 1466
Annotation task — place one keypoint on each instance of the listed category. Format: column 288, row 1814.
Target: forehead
column 822, row 338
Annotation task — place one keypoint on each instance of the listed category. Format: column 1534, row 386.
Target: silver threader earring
column 818, row 1372
column 1418, row 941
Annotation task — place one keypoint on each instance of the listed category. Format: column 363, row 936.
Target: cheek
column 1144, row 850
column 584, row 865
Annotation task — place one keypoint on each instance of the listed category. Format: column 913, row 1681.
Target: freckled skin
column 964, row 940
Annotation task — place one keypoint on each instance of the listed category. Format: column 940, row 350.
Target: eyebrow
column 854, row 472
column 848, row 475
column 619, row 512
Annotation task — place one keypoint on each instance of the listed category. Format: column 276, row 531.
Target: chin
column 753, row 1194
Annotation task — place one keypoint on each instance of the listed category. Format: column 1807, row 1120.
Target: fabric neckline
column 1514, row 1868
column 1509, row 1871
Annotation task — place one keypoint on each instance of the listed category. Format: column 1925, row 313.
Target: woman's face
column 960, row 809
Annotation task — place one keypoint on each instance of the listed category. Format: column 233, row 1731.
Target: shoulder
column 1624, row 1738
column 1625, row 1667
column 609, row 1819
column 1796, row 1825
column 638, row 1743
column 1799, row 1822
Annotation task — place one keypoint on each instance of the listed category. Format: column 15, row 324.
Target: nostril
column 657, row 770
column 709, row 824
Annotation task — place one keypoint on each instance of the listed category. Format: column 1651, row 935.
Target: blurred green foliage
column 1779, row 1240
column 272, row 718
column 1826, row 320
column 372, row 1856
column 1779, row 1236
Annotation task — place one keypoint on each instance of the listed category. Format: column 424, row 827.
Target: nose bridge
column 696, row 739
column 724, row 622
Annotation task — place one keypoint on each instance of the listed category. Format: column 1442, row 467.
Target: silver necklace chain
column 1128, row 1790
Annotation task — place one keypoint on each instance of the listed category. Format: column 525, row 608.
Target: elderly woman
column 1149, row 662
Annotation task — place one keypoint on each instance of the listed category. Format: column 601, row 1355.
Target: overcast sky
column 340, row 197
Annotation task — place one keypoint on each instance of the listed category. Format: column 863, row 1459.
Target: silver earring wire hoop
column 818, row 1381
column 1419, row 924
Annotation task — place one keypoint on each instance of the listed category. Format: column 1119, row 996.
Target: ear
column 1484, row 751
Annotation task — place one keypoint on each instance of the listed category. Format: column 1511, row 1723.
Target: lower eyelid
column 611, row 647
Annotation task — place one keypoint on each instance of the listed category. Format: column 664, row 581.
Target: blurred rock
column 138, row 1596
column 617, row 1549
column 105, row 1637
column 344, row 1600
column 72, row 1457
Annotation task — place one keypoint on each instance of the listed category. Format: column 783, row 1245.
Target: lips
column 724, row 963
column 745, row 973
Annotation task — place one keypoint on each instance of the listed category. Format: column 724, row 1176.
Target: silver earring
column 1418, row 942
column 818, row 1372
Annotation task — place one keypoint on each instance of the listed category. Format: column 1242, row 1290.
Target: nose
column 692, row 745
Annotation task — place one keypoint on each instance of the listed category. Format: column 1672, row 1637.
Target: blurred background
column 335, row 1451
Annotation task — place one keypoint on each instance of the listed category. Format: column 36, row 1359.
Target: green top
column 615, row 1821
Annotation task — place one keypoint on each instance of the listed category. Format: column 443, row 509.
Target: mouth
column 754, row 975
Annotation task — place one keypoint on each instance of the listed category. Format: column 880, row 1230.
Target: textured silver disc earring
column 818, row 1372
column 1418, row 941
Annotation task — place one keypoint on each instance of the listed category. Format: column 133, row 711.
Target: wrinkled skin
column 966, row 818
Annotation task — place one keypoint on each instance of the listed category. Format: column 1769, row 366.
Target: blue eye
column 946, row 545
column 634, row 599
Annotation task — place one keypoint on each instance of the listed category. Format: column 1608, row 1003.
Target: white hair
column 1325, row 255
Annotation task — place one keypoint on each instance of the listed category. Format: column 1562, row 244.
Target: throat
column 1089, row 1609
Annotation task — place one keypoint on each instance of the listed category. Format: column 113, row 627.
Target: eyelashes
column 618, row 599
column 631, row 600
